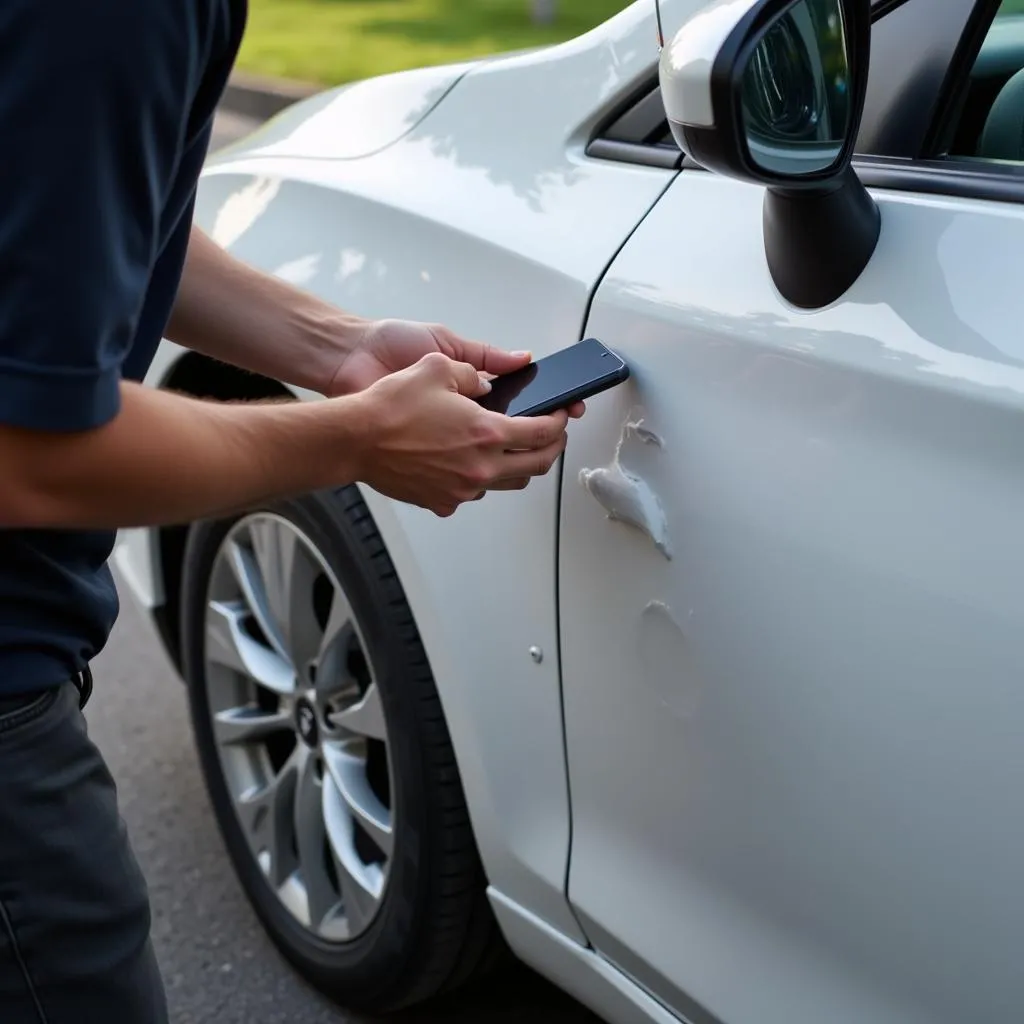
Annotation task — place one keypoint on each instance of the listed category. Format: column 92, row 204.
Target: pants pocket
column 15, row 714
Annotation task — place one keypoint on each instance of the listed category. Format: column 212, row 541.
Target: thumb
column 466, row 380
column 498, row 361
column 486, row 358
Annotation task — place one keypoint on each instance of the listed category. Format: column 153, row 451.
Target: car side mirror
column 772, row 92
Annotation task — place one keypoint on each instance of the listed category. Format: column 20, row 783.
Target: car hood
column 351, row 121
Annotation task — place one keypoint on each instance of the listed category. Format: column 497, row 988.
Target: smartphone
column 555, row 382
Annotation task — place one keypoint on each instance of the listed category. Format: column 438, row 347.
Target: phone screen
column 555, row 381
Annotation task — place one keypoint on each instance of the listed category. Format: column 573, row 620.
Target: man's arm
column 230, row 311
column 239, row 315
column 164, row 458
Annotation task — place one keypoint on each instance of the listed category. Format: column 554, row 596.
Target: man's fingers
column 485, row 358
column 516, row 466
column 526, row 433
column 515, row 484
column 462, row 377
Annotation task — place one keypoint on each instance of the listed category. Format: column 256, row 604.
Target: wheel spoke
column 360, row 885
column 366, row 718
column 332, row 672
column 311, row 840
column 227, row 643
column 348, row 773
column 358, row 903
column 248, row 724
column 247, row 573
column 276, row 548
column 266, row 816
column 289, row 574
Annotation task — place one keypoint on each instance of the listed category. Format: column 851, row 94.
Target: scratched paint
column 636, row 428
column 625, row 496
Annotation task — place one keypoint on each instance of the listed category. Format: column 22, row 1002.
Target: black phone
column 555, row 382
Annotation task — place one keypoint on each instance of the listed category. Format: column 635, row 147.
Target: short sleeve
column 94, row 105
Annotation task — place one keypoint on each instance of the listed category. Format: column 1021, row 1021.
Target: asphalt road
column 218, row 965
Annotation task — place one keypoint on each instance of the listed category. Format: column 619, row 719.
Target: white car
column 723, row 721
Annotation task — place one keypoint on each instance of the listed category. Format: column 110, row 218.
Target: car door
column 792, row 599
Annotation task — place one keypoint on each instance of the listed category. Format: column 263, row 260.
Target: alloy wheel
column 299, row 726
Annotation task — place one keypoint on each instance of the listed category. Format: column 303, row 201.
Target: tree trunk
column 543, row 12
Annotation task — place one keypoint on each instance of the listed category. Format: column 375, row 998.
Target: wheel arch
column 198, row 376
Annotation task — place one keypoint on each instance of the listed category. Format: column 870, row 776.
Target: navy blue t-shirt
column 106, row 108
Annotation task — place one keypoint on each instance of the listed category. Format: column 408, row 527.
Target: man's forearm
column 168, row 459
column 234, row 313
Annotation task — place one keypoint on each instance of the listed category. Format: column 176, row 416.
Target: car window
column 988, row 123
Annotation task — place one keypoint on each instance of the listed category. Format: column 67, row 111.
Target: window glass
column 990, row 122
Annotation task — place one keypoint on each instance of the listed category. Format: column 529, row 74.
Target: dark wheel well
column 200, row 377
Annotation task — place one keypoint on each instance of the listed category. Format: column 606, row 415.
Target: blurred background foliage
column 333, row 41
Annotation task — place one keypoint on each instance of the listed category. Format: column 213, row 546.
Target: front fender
column 350, row 121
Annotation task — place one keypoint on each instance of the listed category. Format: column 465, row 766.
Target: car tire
column 433, row 930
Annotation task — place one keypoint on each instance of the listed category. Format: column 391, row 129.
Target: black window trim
column 636, row 153
column 631, row 133
column 960, row 179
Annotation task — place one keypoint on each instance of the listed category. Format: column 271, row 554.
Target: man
column 105, row 114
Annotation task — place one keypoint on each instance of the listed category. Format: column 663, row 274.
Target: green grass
column 1012, row 7
column 334, row 41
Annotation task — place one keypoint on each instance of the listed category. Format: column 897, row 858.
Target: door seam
column 558, row 561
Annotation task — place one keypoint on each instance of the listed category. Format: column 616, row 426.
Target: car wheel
column 326, row 754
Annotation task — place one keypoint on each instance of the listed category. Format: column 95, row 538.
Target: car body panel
column 811, row 711
column 489, row 217
column 353, row 120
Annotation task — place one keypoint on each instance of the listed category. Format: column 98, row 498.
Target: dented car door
column 791, row 610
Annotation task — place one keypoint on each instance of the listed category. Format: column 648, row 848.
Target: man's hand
column 415, row 435
column 430, row 445
column 384, row 347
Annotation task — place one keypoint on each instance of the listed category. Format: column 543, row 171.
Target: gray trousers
column 74, row 908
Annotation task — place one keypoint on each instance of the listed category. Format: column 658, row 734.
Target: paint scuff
column 636, row 428
column 626, row 497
